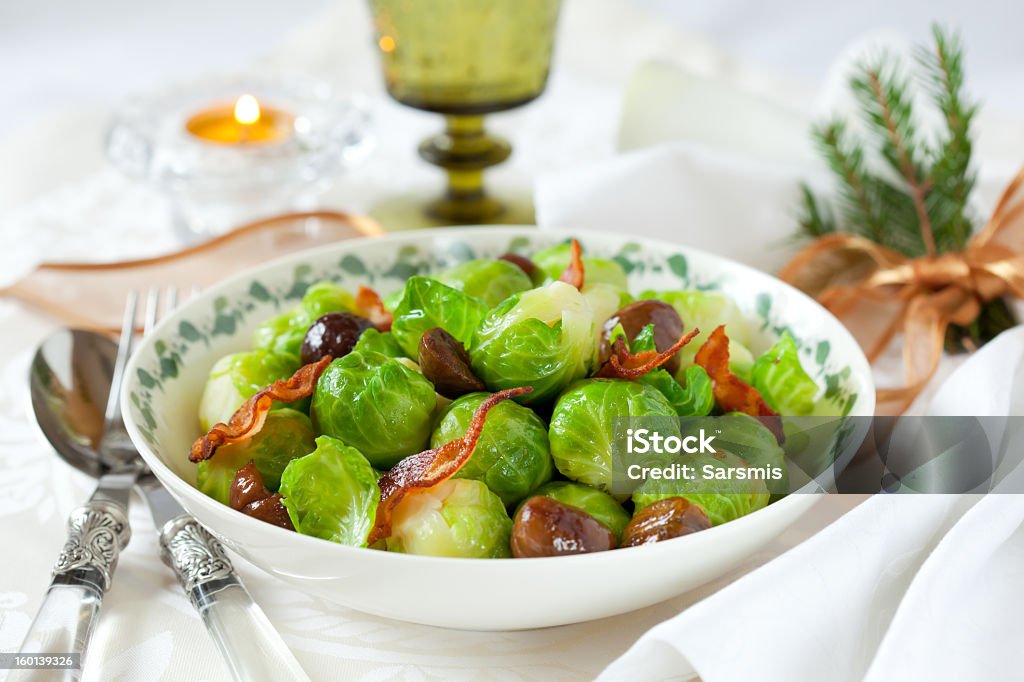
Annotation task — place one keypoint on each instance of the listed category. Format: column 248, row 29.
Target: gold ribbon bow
column 878, row 292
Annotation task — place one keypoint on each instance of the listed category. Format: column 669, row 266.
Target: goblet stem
column 464, row 150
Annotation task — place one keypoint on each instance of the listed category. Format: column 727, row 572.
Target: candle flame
column 386, row 44
column 247, row 110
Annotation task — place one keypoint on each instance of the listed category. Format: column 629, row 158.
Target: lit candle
column 244, row 122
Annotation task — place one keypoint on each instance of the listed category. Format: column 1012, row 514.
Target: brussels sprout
column 237, row 377
column 490, row 280
column 722, row 499
column 605, row 300
column 746, row 437
column 691, row 394
column 512, row 456
column 284, row 333
column 582, row 430
column 376, row 404
column 783, row 383
column 331, row 493
column 458, row 518
column 741, row 360
column 392, row 300
column 378, row 342
column 600, row 505
column 426, row 304
column 542, row 338
column 706, row 310
column 555, row 259
column 692, row 398
column 287, row 434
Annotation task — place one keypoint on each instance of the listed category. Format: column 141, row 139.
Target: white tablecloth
column 147, row 629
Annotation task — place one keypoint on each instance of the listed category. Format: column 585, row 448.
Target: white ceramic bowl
column 168, row 371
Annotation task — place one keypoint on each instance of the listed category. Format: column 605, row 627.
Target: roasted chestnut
column 247, row 487
column 270, row 510
column 250, row 496
column 444, row 360
column 668, row 327
column 665, row 519
column 546, row 527
column 334, row 334
column 522, row 262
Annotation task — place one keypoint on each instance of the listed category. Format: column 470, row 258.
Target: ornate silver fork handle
column 251, row 646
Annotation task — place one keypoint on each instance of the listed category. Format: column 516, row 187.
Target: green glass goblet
column 465, row 59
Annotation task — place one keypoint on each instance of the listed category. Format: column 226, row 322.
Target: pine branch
column 888, row 110
column 847, row 163
column 951, row 175
column 816, row 219
column 924, row 209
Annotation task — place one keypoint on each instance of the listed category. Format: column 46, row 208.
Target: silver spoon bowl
column 69, row 383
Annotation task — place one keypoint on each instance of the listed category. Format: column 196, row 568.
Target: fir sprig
column 920, row 206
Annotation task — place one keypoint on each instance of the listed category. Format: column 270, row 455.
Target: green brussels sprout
column 542, row 338
column 598, row 504
column 741, row 361
column 458, row 518
column 376, row 404
column 237, row 377
column 746, row 437
column 555, row 259
column 722, row 499
column 426, row 304
column 378, row 342
column 706, row 310
column 605, row 300
column 692, row 398
column 284, row 333
column 488, row 279
column 512, row 456
column 331, row 493
column 582, row 431
column 782, row 381
column 286, row 435
column 691, row 394
column 392, row 300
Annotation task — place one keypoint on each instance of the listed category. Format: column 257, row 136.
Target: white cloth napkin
column 901, row 588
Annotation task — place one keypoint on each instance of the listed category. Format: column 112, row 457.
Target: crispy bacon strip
column 574, row 273
column 248, row 419
column 431, row 467
column 732, row 393
column 370, row 305
column 623, row 364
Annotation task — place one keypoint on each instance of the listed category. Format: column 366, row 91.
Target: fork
column 252, row 648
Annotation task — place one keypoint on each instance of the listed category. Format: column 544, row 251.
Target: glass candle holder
column 231, row 149
column 465, row 59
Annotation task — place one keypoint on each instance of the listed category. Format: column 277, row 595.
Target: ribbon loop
column 863, row 279
column 949, row 269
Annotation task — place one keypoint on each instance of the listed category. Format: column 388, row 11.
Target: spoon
column 70, row 380
column 70, row 383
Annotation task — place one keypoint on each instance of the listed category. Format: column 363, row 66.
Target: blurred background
column 71, row 62
column 737, row 83
column 56, row 54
